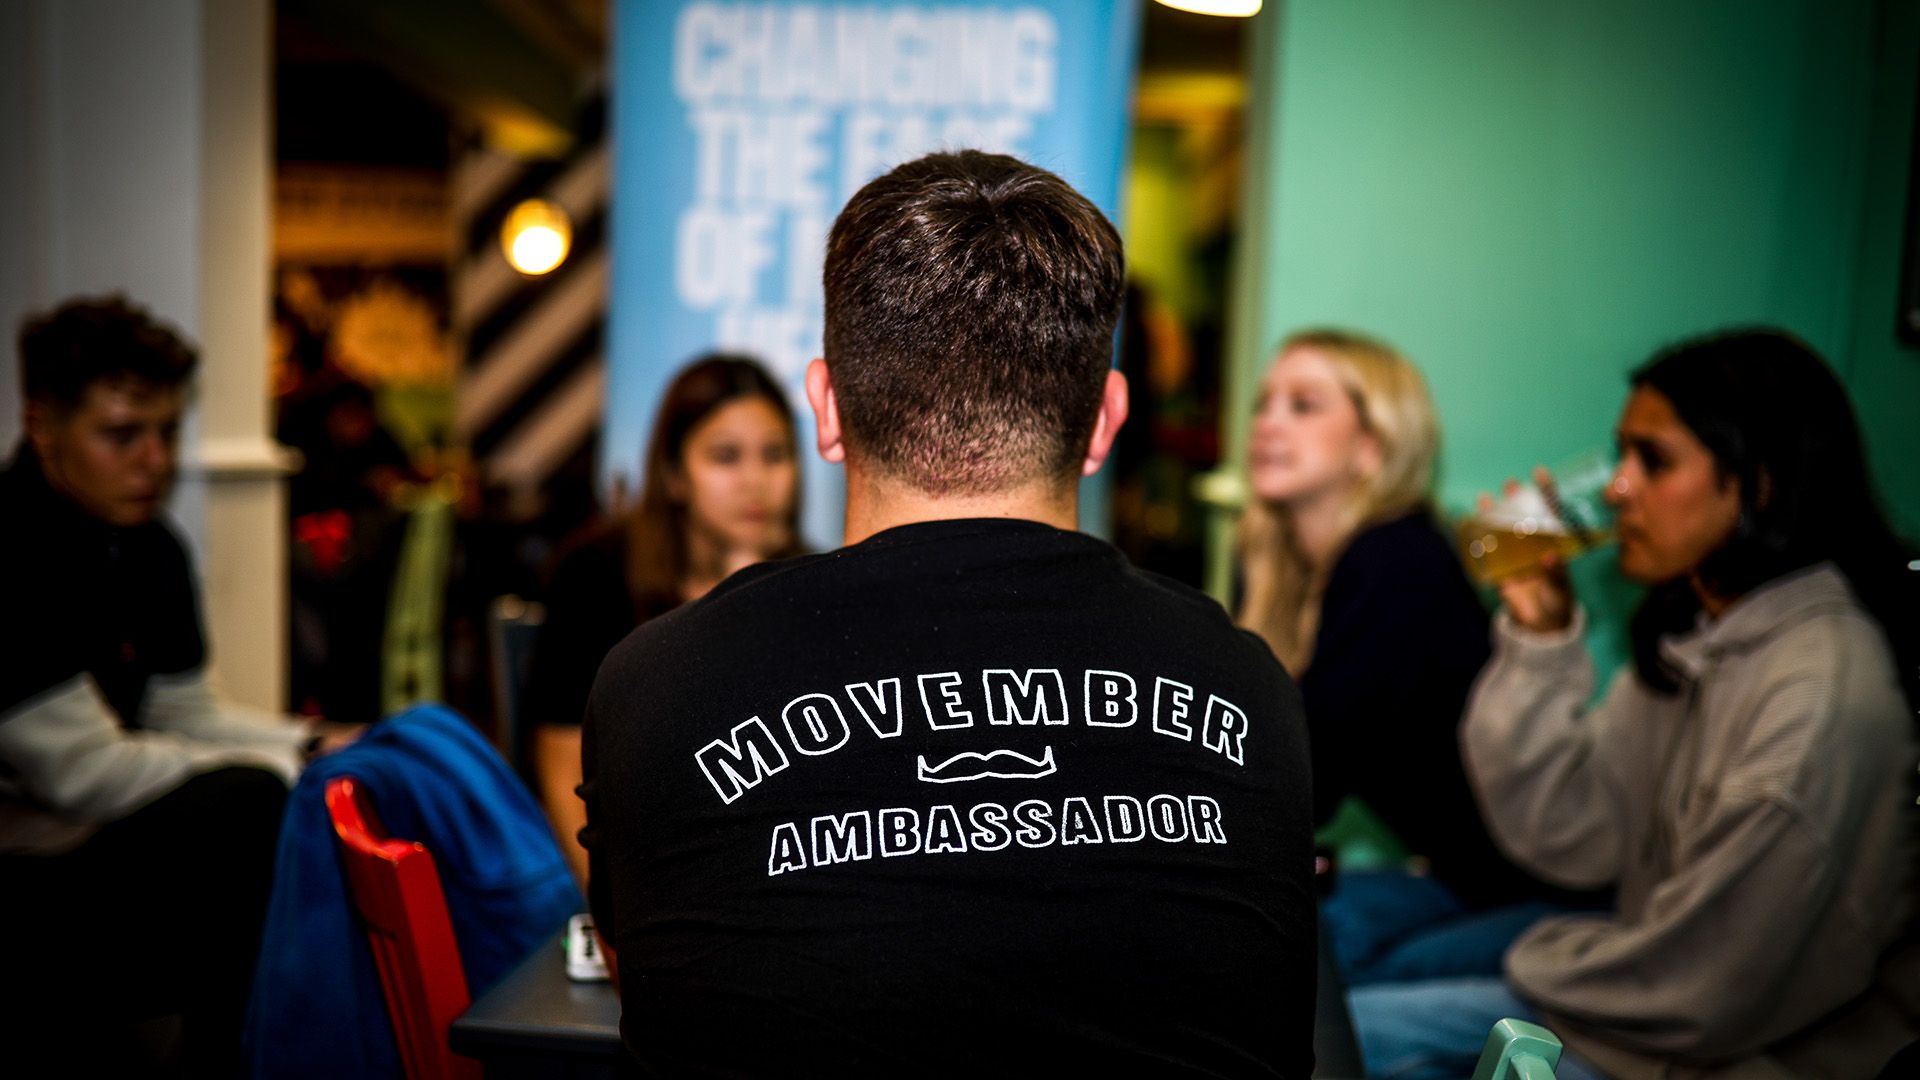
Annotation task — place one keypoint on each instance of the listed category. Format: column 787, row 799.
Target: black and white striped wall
column 533, row 371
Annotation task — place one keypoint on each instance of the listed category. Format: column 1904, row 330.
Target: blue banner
column 741, row 128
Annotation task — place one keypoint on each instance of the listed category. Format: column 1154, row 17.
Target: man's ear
column 1106, row 423
column 826, row 412
column 39, row 422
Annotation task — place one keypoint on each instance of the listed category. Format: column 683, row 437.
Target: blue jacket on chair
column 317, row 1007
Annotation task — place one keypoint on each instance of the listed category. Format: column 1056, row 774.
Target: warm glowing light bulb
column 1238, row 9
column 536, row 237
column 537, row 250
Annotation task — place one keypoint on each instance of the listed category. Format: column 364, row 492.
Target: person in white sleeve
column 138, row 810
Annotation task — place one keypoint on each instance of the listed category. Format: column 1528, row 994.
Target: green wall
column 1530, row 198
column 1884, row 373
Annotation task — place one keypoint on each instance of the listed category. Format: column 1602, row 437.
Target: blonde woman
column 1354, row 586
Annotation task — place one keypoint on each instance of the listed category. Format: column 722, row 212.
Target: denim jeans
column 1391, row 926
column 1434, row 1030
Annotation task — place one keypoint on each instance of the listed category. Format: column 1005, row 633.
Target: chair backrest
column 513, row 625
column 1517, row 1050
column 397, row 892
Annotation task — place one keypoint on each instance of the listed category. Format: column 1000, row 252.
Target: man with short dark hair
column 138, row 811
column 971, row 795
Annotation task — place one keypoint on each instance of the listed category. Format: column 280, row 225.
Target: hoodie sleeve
column 65, row 750
column 186, row 705
column 1531, row 751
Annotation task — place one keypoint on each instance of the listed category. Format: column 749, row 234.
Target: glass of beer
column 1564, row 518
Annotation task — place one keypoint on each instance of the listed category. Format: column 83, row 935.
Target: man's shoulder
column 1186, row 598
column 1085, row 572
column 46, row 552
column 163, row 541
column 999, row 584
column 690, row 627
column 160, row 555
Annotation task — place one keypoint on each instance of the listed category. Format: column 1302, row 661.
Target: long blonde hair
column 1281, row 601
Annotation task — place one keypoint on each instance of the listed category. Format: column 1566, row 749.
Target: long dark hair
column 1776, row 419
column 657, row 525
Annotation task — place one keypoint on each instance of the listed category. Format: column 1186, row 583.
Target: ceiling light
column 536, row 237
column 1238, row 9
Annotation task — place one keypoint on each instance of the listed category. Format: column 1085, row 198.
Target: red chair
column 397, row 891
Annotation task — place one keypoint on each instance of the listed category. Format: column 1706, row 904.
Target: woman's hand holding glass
column 1540, row 597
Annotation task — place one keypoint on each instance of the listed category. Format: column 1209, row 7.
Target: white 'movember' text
column 820, row 722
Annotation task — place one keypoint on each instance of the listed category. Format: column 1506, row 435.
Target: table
column 536, row 1022
column 539, row 1023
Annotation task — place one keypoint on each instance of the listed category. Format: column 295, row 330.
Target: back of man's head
column 91, row 341
column 971, row 301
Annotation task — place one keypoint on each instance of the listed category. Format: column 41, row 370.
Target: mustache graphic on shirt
column 999, row 764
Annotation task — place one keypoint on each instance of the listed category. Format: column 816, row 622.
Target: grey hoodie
column 1759, row 826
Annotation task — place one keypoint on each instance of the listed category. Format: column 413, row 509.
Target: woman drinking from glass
column 1746, row 783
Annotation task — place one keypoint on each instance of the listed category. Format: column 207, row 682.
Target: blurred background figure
column 352, row 461
column 721, row 492
column 1171, row 438
column 361, row 374
column 347, row 507
column 120, row 762
column 1747, row 783
column 1351, row 581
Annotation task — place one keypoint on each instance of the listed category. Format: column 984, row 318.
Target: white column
column 243, row 553
column 138, row 161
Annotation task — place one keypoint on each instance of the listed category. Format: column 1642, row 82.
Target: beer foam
column 1525, row 511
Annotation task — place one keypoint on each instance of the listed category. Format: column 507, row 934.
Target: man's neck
column 876, row 504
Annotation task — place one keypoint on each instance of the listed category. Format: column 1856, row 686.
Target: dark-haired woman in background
column 721, row 492
column 1747, row 784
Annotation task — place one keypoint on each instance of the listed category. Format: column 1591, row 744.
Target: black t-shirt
column 588, row 610
column 83, row 597
column 968, row 798
column 1402, row 636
